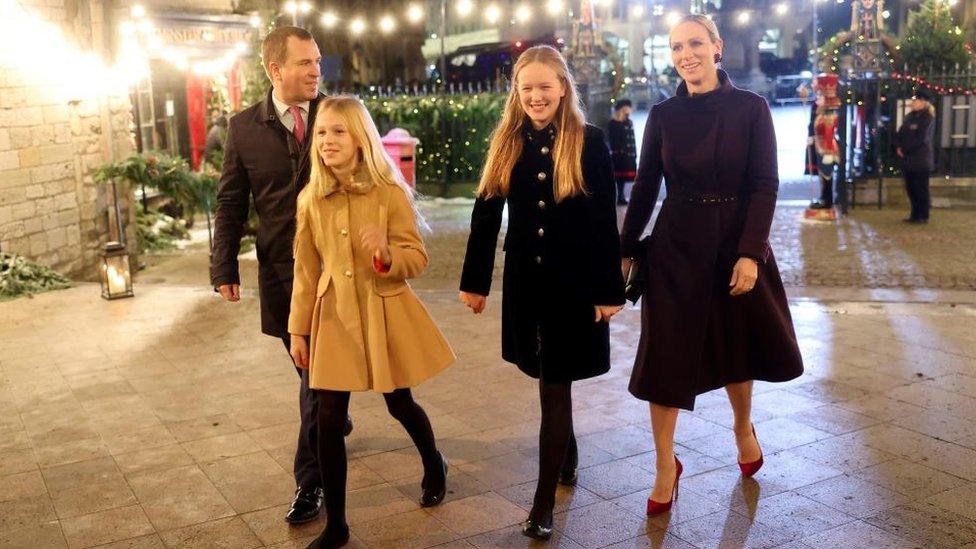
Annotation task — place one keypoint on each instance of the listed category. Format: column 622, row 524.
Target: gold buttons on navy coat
column 545, row 150
column 542, row 232
column 538, row 259
column 542, row 176
column 542, row 204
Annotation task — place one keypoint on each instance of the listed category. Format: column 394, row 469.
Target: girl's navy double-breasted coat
column 561, row 259
column 717, row 154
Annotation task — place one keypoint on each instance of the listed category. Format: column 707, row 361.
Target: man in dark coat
column 266, row 157
column 623, row 147
column 917, row 158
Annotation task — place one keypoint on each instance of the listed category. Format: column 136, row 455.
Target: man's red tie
column 299, row 131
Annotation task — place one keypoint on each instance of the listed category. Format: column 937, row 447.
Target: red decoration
column 942, row 90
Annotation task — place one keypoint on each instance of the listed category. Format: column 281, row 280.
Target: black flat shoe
column 306, row 506
column 348, row 428
column 330, row 539
column 537, row 529
column 430, row 498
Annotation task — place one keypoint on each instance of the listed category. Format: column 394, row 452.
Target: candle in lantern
column 116, row 281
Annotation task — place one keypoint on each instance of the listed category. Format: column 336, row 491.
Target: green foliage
column 20, row 277
column 193, row 191
column 157, row 232
column 933, row 40
column 454, row 155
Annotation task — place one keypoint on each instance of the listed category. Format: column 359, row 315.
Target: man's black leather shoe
column 306, row 505
column 348, row 428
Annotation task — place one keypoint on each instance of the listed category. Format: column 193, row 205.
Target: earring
column 718, row 57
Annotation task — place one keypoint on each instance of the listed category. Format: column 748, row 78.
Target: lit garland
column 414, row 15
column 935, row 87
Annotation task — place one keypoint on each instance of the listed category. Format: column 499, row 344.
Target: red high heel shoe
column 656, row 508
column 751, row 468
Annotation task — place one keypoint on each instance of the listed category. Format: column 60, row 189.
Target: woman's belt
column 699, row 197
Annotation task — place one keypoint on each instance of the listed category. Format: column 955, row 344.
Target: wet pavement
column 166, row 420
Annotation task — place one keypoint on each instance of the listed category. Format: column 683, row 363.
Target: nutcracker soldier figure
column 824, row 129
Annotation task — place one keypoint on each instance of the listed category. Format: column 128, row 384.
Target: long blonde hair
column 372, row 156
column 507, row 141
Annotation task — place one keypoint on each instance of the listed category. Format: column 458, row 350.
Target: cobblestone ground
column 167, row 421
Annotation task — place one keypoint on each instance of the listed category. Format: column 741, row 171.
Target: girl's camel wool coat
column 367, row 331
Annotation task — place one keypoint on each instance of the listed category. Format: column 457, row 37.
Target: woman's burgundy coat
column 717, row 154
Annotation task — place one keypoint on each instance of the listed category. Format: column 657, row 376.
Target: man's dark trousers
column 307, row 472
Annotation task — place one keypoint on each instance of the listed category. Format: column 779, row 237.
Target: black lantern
column 116, row 276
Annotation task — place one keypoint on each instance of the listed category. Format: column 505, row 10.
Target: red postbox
column 402, row 148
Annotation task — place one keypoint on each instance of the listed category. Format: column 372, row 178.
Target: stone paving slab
column 167, row 421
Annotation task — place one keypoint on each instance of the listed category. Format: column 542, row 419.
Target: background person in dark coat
column 917, row 158
column 623, row 147
column 562, row 280
column 266, row 157
column 714, row 313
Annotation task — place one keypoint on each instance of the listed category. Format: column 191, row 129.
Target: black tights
column 332, row 410
column 557, row 445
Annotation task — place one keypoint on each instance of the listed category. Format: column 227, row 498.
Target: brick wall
column 51, row 210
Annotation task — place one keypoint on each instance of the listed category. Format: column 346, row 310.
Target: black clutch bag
column 636, row 282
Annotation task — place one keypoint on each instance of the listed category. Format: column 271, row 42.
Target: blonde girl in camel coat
column 355, row 323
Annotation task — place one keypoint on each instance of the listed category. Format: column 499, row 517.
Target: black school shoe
column 330, row 538
column 432, row 497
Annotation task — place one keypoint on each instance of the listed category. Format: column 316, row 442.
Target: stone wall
column 51, row 140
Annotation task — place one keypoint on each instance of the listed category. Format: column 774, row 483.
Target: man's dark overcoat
column 261, row 159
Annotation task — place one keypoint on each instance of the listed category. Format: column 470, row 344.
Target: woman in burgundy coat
column 714, row 313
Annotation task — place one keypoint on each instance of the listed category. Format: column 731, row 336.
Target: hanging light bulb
column 492, row 14
column 329, row 19
column 464, row 7
column 415, row 13
column 387, row 24
column 357, row 26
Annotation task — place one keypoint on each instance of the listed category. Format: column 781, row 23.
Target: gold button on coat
column 545, row 150
column 542, row 204
column 348, row 274
column 344, row 232
column 542, row 176
column 542, row 231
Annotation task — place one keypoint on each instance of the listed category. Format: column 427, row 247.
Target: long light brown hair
column 373, row 158
column 507, row 141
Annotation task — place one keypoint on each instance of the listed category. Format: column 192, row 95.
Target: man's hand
column 230, row 292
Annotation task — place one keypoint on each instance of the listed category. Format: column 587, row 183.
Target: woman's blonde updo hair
column 704, row 21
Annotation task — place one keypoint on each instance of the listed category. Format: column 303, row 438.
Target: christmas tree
column 933, row 40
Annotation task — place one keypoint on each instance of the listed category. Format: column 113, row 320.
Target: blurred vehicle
column 487, row 62
column 786, row 88
column 776, row 66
